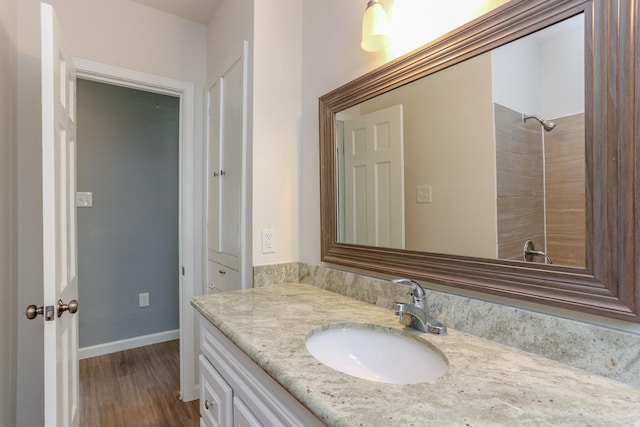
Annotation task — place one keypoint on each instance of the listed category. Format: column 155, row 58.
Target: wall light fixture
column 375, row 28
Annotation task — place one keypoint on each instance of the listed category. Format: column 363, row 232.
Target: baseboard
column 127, row 344
column 196, row 392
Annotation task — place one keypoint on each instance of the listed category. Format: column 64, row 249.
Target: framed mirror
column 500, row 158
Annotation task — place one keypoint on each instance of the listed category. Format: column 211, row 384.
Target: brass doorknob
column 72, row 307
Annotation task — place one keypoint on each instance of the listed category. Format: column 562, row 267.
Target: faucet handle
column 417, row 292
column 435, row 327
column 397, row 308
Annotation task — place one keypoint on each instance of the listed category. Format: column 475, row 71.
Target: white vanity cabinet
column 216, row 396
column 235, row 391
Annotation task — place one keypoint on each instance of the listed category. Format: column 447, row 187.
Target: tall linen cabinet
column 228, row 240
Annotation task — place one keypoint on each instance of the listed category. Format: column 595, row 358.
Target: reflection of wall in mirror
column 451, row 132
column 543, row 73
column 449, row 147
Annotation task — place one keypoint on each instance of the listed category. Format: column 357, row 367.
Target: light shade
column 375, row 28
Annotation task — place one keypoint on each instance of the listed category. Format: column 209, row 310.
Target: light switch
column 423, row 194
column 84, row 199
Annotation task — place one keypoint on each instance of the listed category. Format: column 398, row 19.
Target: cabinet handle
column 222, row 172
column 207, row 405
column 222, row 272
column 215, row 174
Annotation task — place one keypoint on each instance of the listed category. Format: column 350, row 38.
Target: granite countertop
column 486, row 384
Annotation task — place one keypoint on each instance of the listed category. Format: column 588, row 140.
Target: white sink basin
column 377, row 354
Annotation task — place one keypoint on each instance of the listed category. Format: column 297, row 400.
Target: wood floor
column 135, row 388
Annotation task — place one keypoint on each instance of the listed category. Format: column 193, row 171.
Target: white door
column 374, row 179
column 60, row 284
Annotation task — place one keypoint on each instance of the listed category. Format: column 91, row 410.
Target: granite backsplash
column 603, row 351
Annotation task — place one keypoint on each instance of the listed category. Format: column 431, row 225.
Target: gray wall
column 128, row 240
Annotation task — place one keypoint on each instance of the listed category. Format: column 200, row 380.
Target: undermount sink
column 378, row 354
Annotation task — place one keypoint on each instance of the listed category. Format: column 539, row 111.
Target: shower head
column 546, row 124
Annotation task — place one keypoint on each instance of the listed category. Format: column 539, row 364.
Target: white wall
column 8, row 78
column 114, row 32
column 231, row 25
column 542, row 75
column 563, row 72
column 516, row 76
column 277, row 85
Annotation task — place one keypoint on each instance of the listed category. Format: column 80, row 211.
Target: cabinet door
column 213, row 169
column 216, row 397
column 257, row 398
column 242, row 415
column 231, row 159
column 225, row 142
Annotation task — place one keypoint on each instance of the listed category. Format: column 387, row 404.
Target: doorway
column 128, row 192
column 187, row 213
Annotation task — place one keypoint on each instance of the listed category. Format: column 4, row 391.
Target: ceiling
column 195, row 10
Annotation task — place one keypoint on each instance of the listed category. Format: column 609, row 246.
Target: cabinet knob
column 222, row 272
column 207, row 405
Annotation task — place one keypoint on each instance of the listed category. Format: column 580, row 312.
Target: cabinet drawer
column 216, row 397
column 222, row 278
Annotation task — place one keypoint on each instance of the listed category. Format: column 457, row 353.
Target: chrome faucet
column 415, row 315
column 530, row 251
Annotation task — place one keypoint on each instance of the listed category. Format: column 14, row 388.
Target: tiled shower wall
column 535, row 179
column 520, row 184
column 565, row 191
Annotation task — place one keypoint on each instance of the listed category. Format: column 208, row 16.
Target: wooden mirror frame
column 608, row 286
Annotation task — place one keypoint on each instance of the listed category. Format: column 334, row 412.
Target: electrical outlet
column 84, row 199
column 143, row 299
column 268, row 244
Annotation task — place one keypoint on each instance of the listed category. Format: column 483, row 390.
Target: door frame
column 117, row 76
